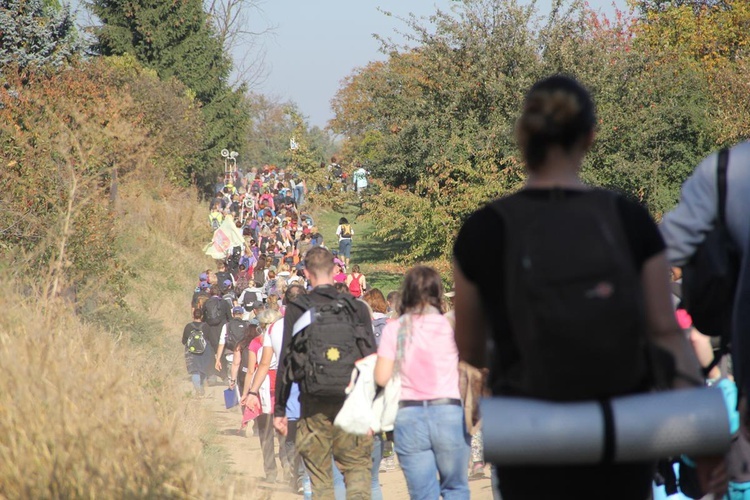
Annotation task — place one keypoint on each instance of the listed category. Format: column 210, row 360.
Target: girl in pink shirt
column 430, row 436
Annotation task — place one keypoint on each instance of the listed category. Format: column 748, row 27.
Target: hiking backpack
column 355, row 287
column 346, row 231
column 212, row 311
column 222, row 276
column 378, row 325
column 250, row 297
column 215, row 223
column 196, row 342
column 323, row 353
column 709, row 279
column 574, row 297
column 259, row 277
column 236, row 329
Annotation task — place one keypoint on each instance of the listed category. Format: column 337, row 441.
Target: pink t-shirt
column 255, row 346
column 430, row 366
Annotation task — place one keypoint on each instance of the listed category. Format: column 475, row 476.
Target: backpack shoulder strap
column 303, row 302
column 721, row 184
column 350, row 303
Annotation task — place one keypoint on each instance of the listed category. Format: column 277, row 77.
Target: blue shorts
column 345, row 247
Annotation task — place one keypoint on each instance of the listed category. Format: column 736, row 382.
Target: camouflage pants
column 317, row 440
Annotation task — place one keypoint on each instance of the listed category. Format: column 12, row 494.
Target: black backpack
column 212, row 311
column 196, row 342
column 259, row 277
column 378, row 325
column 323, row 353
column 709, row 279
column 222, row 276
column 249, row 298
column 236, row 329
column 574, row 297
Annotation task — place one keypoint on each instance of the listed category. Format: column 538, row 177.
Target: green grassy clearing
column 375, row 257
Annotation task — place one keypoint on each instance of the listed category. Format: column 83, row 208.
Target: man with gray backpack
column 216, row 313
column 708, row 234
column 232, row 334
column 325, row 332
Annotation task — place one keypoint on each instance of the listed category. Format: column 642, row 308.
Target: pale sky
column 317, row 43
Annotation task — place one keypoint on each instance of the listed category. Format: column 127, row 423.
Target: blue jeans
column 198, row 380
column 345, row 247
column 339, row 488
column 431, row 441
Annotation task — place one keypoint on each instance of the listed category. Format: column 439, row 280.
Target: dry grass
column 84, row 413
column 75, row 419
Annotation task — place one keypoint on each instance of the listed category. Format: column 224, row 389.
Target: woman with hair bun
column 581, row 289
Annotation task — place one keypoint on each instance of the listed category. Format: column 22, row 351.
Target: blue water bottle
column 306, row 487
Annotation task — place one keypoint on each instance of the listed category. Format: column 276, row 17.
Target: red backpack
column 355, row 287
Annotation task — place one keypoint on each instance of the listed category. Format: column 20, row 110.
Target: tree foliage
column 32, row 32
column 62, row 138
column 435, row 120
column 176, row 40
column 272, row 125
column 713, row 39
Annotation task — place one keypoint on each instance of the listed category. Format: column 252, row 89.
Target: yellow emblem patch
column 333, row 354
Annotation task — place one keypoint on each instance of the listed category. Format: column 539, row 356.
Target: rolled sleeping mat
column 642, row 427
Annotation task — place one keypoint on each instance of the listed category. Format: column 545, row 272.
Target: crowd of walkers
column 340, row 373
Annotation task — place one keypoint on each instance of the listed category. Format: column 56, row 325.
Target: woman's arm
column 251, row 361
column 662, row 327
column 259, row 376
column 471, row 324
column 383, row 371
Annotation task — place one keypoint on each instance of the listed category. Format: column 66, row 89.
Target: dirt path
column 246, row 462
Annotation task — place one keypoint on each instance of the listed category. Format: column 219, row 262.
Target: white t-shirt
column 360, row 177
column 340, row 235
column 273, row 339
column 223, row 336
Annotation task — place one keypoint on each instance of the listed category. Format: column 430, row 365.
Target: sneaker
column 270, row 477
column 477, row 471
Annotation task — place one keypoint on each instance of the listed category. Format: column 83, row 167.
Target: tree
column 176, row 40
column 435, row 120
column 711, row 37
column 33, row 32
column 231, row 20
column 62, row 136
column 273, row 124
column 269, row 131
